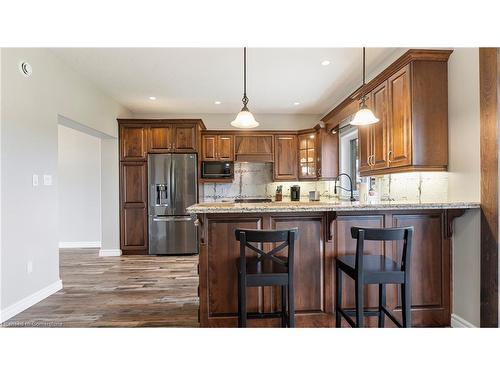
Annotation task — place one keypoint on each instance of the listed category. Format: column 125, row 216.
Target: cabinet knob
column 389, row 156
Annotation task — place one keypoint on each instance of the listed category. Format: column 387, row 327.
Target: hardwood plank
column 129, row 291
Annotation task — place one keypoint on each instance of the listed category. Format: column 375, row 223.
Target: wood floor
column 127, row 291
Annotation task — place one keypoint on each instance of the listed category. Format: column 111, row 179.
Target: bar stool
column 374, row 269
column 266, row 269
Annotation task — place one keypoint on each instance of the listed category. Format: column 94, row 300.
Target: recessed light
column 152, row 98
column 325, row 62
column 217, row 102
column 296, row 103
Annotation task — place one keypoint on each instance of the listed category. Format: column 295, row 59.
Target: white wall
column 464, row 179
column 30, row 109
column 79, row 175
column 222, row 121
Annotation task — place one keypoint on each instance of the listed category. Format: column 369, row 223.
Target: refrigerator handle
column 172, row 183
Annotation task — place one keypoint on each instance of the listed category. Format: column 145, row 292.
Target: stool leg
column 242, row 302
column 381, row 302
column 406, row 301
column 291, row 305
column 283, row 306
column 359, row 304
column 338, row 296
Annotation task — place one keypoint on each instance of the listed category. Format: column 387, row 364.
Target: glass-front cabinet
column 307, row 156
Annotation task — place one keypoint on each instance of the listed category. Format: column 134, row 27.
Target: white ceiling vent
column 25, row 68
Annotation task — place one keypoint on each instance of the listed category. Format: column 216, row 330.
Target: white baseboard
column 29, row 301
column 459, row 322
column 81, row 244
column 110, row 252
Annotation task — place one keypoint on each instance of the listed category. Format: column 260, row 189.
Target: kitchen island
column 324, row 233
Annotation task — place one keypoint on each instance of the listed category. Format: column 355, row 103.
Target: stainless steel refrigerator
column 173, row 186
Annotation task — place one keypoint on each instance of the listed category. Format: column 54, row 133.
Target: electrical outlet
column 47, row 179
column 29, row 267
column 35, row 180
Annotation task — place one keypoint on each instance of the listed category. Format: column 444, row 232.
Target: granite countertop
column 305, row 206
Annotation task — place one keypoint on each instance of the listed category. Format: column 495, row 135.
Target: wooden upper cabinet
column 225, row 147
column 399, row 115
column 160, row 139
column 327, row 154
column 254, row 148
column 307, row 156
column 365, row 142
column 379, row 139
column 184, row 137
column 209, row 147
column 133, row 143
column 285, row 157
column 411, row 102
column 217, row 147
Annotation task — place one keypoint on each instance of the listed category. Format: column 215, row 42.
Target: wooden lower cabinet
column 133, row 208
column 219, row 252
column 430, row 264
column 322, row 236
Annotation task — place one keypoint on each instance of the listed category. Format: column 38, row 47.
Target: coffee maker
column 295, row 193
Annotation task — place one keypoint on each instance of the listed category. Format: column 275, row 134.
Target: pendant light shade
column 244, row 119
column 364, row 116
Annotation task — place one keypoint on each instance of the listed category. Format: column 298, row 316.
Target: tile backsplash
column 255, row 180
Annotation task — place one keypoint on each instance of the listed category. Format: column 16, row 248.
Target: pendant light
column 364, row 116
column 244, row 119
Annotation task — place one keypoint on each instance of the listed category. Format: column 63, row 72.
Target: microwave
column 217, row 169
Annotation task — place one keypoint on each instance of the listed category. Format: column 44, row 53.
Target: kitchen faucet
column 340, row 187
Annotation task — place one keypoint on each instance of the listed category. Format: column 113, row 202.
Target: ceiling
column 191, row 80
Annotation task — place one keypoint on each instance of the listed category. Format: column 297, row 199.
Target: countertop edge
column 217, row 207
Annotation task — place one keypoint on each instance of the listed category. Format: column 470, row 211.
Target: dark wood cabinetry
column 285, row 157
column 137, row 139
column 133, row 207
column 217, row 147
column 218, row 277
column 133, row 142
column 318, row 155
column 411, row 100
column 322, row 237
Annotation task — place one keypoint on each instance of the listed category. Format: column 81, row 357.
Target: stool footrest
column 264, row 315
column 347, row 313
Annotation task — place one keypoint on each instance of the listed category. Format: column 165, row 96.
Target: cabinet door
column 365, row 143
column 328, row 154
column 399, row 118
column 429, row 270
column 160, row 138
column 225, row 147
column 312, row 301
column 344, row 244
column 221, row 255
column 307, row 156
column 285, row 157
column 209, row 146
column 184, row 139
column 379, row 137
column 133, row 204
column 133, row 143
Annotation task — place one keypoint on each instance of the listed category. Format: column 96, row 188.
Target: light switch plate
column 35, row 180
column 47, row 179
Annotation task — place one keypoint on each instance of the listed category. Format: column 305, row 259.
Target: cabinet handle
column 389, row 156
column 319, row 172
